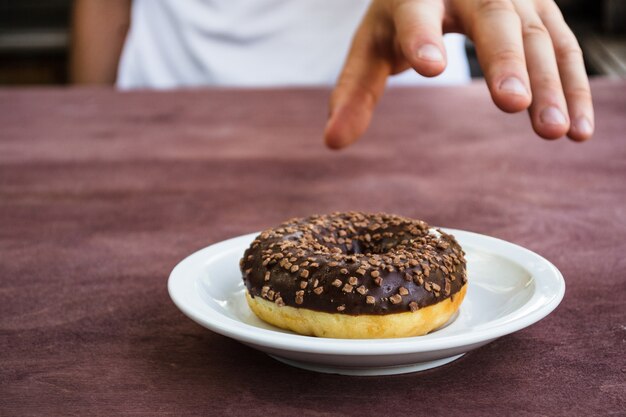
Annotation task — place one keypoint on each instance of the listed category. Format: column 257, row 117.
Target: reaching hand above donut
column 529, row 56
column 355, row 275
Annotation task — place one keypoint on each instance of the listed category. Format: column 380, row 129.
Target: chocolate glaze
column 402, row 263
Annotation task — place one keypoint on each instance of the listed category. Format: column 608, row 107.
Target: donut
column 355, row 275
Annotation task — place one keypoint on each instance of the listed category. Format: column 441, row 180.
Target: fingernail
column 552, row 116
column 583, row 126
column 429, row 52
column 514, row 86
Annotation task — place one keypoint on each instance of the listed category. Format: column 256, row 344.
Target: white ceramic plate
column 509, row 288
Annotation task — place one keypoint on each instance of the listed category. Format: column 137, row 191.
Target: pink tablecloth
column 102, row 193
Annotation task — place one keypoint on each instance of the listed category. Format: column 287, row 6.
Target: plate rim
column 268, row 338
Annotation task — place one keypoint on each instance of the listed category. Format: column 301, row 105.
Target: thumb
column 360, row 85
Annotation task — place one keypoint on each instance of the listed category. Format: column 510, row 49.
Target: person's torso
column 178, row 43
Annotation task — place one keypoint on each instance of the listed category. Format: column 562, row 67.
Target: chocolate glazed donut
column 355, row 275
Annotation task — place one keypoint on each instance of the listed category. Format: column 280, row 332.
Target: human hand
column 529, row 56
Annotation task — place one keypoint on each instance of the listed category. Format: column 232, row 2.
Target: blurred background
column 35, row 37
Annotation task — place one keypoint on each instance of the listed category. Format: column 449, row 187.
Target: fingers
column 529, row 57
column 572, row 73
column 361, row 83
column 419, row 32
column 495, row 28
column 523, row 49
column 548, row 111
column 371, row 59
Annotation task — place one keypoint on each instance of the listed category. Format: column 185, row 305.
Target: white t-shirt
column 257, row 43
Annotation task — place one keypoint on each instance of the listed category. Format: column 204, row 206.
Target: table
column 102, row 193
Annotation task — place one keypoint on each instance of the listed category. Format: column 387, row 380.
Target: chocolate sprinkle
column 395, row 299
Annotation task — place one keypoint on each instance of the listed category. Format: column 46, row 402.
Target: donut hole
column 363, row 248
column 360, row 246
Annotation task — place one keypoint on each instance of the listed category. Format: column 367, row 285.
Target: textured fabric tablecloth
column 102, row 193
